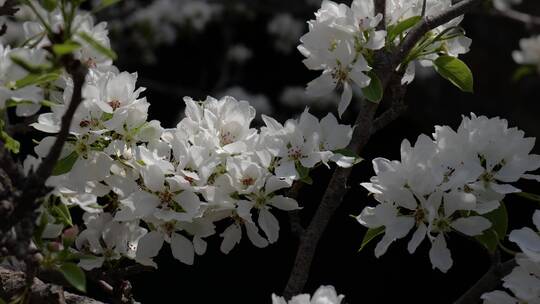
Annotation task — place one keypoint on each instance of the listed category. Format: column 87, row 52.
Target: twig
column 13, row 283
column 529, row 20
column 386, row 68
column 488, row 282
column 294, row 216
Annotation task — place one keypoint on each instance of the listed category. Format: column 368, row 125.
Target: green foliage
column 374, row 91
column 530, row 196
column 65, row 48
column 370, row 235
column 398, row 29
column 49, row 5
column 61, row 212
column 455, row 71
column 350, row 153
column 104, row 4
column 36, row 79
column 65, row 164
column 304, row 173
column 499, row 220
column 74, row 275
column 10, row 143
column 523, row 71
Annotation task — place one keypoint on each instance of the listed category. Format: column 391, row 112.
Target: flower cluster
column 141, row 185
column 341, row 41
column 524, row 280
column 447, row 183
column 529, row 54
column 338, row 41
column 323, row 295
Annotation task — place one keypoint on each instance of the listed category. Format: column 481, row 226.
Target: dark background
column 194, row 65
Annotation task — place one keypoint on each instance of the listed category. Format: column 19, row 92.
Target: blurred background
column 247, row 49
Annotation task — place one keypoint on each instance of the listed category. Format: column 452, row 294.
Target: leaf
column 349, row 153
column 370, row 235
column 67, row 47
column 499, row 221
column 49, row 5
column 98, row 46
column 104, row 4
column 64, row 165
column 36, row 79
column 304, row 174
column 374, row 91
column 63, row 214
column 455, row 71
column 529, row 196
column 74, row 275
column 395, row 30
column 34, row 69
column 522, row 72
column 10, row 143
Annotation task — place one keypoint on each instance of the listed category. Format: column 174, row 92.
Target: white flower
column 529, row 54
column 323, row 295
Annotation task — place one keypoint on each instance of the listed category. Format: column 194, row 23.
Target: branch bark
column 13, row 284
column 386, row 66
column 488, row 282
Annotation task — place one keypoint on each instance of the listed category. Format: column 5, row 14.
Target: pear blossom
column 523, row 283
column 323, row 295
column 529, row 53
column 336, row 44
column 438, row 178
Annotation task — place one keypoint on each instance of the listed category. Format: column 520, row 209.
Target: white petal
column 322, row 85
column 417, row 238
column 536, row 219
column 149, row 245
column 269, row 224
column 472, row 225
column 498, row 297
column 284, row 203
column 231, row 236
column 254, row 236
column 346, row 97
column 199, row 245
column 182, row 249
column 526, row 238
column 440, row 255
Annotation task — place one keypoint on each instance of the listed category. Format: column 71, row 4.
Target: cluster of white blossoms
column 141, row 185
column 524, row 280
column 337, row 42
column 341, row 41
column 447, row 183
column 323, row 295
column 529, row 54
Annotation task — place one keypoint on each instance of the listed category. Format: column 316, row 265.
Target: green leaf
column 36, row 79
column 395, row 30
column 304, row 173
column 374, row 91
column 104, row 4
column 349, row 153
column 34, row 69
column 64, row 165
column 522, row 72
column 62, row 213
column 67, row 47
column 499, row 221
column 529, row 196
column 455, row 71
column 10, row 143
column 98, row 46
column 74, row 275
column 49, row 5
column 371, row 234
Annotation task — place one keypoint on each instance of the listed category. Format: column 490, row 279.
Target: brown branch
column 528, row 20
column 13, row 284
column 488, row 282
column 385, row 68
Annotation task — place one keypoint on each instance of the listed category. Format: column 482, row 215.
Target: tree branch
column 529, row 20
column 488, row 282
column 13, row 284
column 386, row 65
